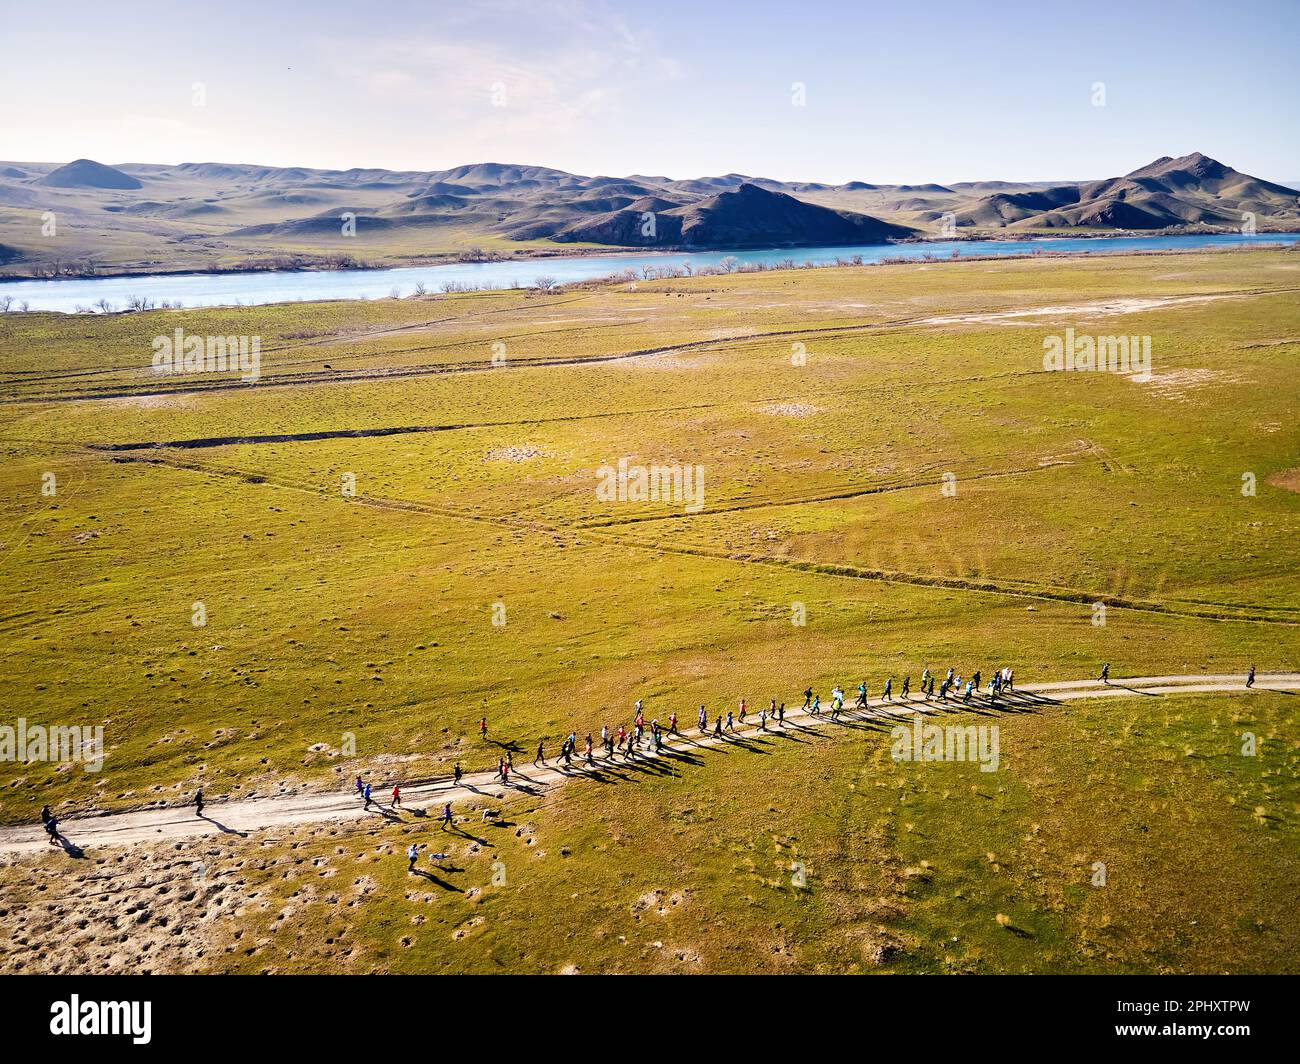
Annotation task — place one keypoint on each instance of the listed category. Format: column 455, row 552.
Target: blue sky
column 892, row 92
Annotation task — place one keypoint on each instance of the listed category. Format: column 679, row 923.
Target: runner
column 742, row 709
column 447, row 820
column 817, row 705
column 360, row 786
column 1105, row 673
column 862, row 695
column 780, row 714
column 807, row 697
column 482, row 728
column 397, row 796
column 672, row 723
column 52, row 829
column 889, row 688
column 907, row 683
column 717, row 726
column 704, row 721
column 731, row 723
column 541, row 752
column 762, row 720
column 966, row 691
column 366, row 795
column 198, row 802
column 412, row 852
column 1250, row 677
column 455, row 774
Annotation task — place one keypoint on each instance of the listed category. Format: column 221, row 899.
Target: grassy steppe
column 372, row 615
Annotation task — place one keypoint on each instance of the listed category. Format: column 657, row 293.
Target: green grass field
column 829, row 410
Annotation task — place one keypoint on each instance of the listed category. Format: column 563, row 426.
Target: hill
column 86, row 173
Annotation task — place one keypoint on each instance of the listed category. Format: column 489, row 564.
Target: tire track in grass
column 1017, row 589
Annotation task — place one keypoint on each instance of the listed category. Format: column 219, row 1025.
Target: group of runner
column 629, row 744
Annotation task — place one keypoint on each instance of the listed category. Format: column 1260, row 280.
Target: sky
column 816, row 90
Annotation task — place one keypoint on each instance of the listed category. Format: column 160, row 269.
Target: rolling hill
column 206, row 215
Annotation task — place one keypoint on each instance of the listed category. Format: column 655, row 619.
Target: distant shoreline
column 534, row 255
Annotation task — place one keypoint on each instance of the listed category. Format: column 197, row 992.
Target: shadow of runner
column 222, row 827
column 422, row 873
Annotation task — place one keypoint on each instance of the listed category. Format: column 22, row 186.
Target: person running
column 366, row 795
column 762, row 720
column 743, row 710
column 925, row 677
column 397, row 796
column 456, row 774
column 717, row 726
column 1250, row 677
column 541, row 752
column 590, row 760
column 1011, row 676
column 889, row 689
column 807, row 698
column 1105, row 673
column 965, row 697
column 907, row 683
column 816, row 706
column 52, row 830
column 505, row 772
column 447, row 820
column 482, row 728
column 731, row 722
column 198, row 802
column 837, row 702
column 360, row 786
column 976, row 679
column 412, row 852
column 609, row 745
column 780, row 714
column 862, row 695
column 46, row 815
column 672, row 723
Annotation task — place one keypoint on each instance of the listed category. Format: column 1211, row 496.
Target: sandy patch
column 1179, row 384
column 791, row 409
column 665, row 360
column 1286, row 478
column 1091, row 310
column 523, row 453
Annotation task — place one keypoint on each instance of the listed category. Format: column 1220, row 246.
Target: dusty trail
column 425, row 799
